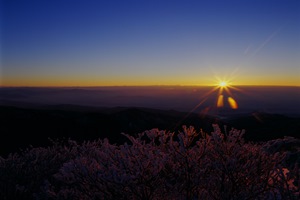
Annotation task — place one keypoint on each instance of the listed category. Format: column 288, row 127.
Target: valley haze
column 270, row 99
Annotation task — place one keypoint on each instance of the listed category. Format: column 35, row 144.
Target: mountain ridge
column 22, row 127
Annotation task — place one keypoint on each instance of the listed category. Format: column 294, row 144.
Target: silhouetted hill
column 21, row 127
column 261, row 126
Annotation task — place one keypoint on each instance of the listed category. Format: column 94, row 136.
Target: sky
column 149, row 42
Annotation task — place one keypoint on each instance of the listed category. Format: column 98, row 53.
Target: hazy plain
column 282, row 100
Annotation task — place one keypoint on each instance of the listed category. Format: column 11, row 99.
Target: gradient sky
column 155, row 42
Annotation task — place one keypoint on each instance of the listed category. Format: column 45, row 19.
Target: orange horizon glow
column 130, row 82
column 193, row 79
column 138, row 85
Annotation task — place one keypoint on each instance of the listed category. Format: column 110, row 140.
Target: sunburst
column 223, row 90
column 223, row 84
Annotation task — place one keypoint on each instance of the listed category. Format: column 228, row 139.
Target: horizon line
column 162, row 85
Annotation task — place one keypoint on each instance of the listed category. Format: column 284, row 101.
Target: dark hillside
column 263, row 126
column 21, row 127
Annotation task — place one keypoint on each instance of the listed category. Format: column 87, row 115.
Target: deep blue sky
column 155, row 42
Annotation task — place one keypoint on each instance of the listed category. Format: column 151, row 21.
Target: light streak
column 266, row 42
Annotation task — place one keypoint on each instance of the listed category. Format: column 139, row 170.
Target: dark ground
column 21, row 127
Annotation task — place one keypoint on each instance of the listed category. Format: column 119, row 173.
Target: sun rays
column 224, row 97
column 224, row 92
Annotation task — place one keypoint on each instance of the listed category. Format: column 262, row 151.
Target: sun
column 223, row 84
column 225, row 97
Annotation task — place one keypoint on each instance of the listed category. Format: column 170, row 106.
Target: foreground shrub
column 22, row 176
column 155, row 165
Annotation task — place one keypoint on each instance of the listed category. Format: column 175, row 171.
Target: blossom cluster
column 156, row 164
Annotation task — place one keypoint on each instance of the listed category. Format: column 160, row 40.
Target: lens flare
column 232, row 103
column 220, row 102
column 223, row 88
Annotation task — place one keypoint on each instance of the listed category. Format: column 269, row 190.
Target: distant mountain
column 21, row 127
